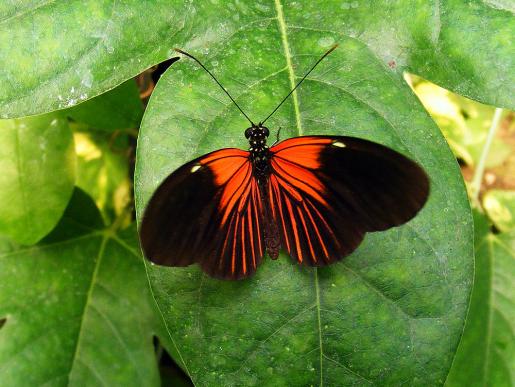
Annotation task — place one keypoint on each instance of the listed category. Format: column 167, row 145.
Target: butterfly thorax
column 260, row 156
column 259, row 151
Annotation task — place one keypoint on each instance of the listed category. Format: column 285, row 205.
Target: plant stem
column 475, row 186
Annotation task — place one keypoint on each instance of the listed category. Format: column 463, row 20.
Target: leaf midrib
column 287, row 55
column 317, row 290
column 106, row 236
column 291, row 77
column 87, row 304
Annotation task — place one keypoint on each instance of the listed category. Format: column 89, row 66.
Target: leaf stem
column 475, row 186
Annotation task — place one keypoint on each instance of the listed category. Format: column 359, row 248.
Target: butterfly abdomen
column 272, row 236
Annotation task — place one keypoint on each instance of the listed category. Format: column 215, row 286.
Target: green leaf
column 500, row 207
column 486, row 353
column 54, row 54
column 463, row 46
column 120, row 108
column 392, row 312
column 103, row 170
column 77, row 306
column 37, row 161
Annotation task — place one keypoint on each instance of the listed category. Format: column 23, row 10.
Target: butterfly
column 313, row 196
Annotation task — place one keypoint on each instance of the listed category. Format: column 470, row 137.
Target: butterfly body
column 259, row 151
column 260, row 156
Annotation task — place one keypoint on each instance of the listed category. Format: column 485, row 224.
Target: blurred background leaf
column 37, row 164
column 463, row 122
column 486, row 355
column 105, row 131
column 103, row 169
column 500, row 207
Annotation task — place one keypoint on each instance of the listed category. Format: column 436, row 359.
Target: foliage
column 500, row 207
column 70, row 304
column 411, row 283
column 464, row 123
column 79, row 305
column 486, row 352
column 487, row 349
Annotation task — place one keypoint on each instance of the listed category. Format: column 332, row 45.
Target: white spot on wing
column 339, row 144
column 195, row 168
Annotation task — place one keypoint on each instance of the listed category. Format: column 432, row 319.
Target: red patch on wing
column 233, row 172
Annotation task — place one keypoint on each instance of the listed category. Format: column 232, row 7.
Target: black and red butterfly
column 314, row 196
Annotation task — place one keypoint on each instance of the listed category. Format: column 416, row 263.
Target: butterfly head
column 257, row 135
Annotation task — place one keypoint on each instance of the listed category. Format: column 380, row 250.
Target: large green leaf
column 54, row 54
column 389, row 314
column 37, row 164
column 77, row 306
column 486, row 355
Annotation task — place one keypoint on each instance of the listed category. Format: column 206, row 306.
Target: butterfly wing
column 327, row 192
column 209, row 212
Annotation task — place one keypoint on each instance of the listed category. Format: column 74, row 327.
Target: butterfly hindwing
column 208, row 211
column 326, row 192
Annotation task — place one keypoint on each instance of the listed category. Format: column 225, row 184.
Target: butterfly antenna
column 298, row 84
column 216, row 80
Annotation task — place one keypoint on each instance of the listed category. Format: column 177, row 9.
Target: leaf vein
column 75, row 356
column 27, row 11
column 346, row 368
column 116, row 333
column 259, row 346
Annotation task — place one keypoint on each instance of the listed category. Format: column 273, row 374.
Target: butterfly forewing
column 326, row 192
column 208, row 211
